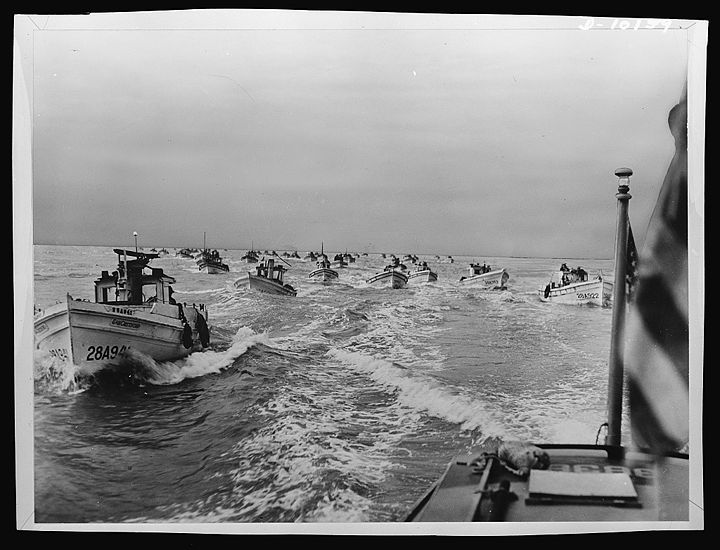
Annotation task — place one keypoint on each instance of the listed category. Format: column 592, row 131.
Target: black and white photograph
column 358, row 272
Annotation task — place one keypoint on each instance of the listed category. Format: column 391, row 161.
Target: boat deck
column 583, row 483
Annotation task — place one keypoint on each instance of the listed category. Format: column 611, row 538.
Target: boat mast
column 616, row 365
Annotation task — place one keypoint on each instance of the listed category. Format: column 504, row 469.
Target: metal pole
column 616, row 366
column 135, row 235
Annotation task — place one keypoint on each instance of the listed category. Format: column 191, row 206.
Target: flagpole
column 616, row 365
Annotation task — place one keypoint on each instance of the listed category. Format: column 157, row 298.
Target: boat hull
column 393, row 279
column 597, row 292
column 492, row 279
column 424, row 276
column 323, row 274
column 213, row 269
column 262, row 284
column 92, row 334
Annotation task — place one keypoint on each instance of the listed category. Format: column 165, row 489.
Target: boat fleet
column 134, row 305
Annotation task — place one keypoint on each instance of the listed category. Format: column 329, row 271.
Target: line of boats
column 134, row 305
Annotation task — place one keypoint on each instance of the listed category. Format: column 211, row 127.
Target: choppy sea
column 342, row 404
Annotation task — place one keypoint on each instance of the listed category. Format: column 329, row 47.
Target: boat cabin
column 269, row 270
column 130, row 284
column 564, row 277
column 323, row 261
column 477, row 269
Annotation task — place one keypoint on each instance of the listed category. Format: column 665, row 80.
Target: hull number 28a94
column 98, row 353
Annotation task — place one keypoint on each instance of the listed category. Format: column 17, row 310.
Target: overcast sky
column 368, row 132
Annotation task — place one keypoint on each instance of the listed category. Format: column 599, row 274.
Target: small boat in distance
column 123, row 317
column 392, row 276
column 422, row 274
column 268, row 277
column 323, row 272
column 338, row 262
column 252, row 256
column 485, row 276
column 210, row 261
column 185, row 253
column 571, row 286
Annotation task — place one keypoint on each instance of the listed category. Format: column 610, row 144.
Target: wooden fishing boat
column 268, row 278
column 323, row 272
column 393, row 276
column 133, row 309
column 649, row 481
column 422, row 274
column 185, row 253
column 210, row 261
column 574, row 287
column 484, row 276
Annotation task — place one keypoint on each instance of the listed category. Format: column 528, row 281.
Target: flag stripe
column 664, row 324
column 657, row 339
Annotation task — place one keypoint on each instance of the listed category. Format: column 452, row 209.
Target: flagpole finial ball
column 623, row 172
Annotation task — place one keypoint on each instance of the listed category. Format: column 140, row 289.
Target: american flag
column 632, row 265
column 658, row 329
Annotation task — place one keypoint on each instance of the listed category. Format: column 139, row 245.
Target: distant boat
column 485, row 276
column 568, row 286
column 422, row 274
column 392, row 276
column 267, row 277
column 210, row 261
column 185, row 253
column 323, row 272
column 338, row 262
column 251, row 256
column 310, row 257
column 122, row 317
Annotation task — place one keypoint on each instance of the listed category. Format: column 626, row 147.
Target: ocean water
column 342, row 404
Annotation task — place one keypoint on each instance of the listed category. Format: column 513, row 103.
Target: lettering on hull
column 125, row 324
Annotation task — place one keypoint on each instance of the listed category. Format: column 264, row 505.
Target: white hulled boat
column 323, row 272
column 573, row 287
column 422, row 274
column 338, row 262
column 392, row 276
column 210, row 261
column 485, row 276
column 123, row 316
column 267, row 277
